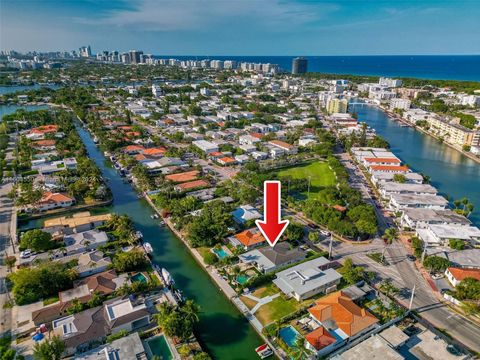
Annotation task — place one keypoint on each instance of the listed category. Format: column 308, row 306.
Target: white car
column 437, row 276
column 25, row 254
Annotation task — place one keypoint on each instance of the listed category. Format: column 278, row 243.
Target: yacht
column 148, row 248
column 167, row 278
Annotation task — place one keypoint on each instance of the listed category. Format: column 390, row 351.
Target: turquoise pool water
column 139, row 277
column 289, row 335
column 242, row 279
column 220, row 253
column 159, row 347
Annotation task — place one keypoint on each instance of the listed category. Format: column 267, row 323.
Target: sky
column 244, row 27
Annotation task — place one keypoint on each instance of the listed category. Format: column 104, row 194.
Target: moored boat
column 167, row 278
column 148, row 248
column 264, row 351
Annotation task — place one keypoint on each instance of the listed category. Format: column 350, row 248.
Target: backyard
column 319, row 172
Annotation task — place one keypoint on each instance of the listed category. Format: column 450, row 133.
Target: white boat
column 264, row 351
column 148, row 248
column 154, row 216
column 167, row 278
column 138, row 235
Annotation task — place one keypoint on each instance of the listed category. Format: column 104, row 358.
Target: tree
column 191, row 311
column 313, row 236
column 468, row 289
column 49, row 349
column 390, row 234
column 211, row 226
column 436, row 263
column 177, row 321
column 210, row 258
column 351, row 273
column 400, row 178
column 37, row 240
column 456, row 244
column 128, row 261
column 388, row 288
column 293, row 232
column 202, row 356
column 298, row 351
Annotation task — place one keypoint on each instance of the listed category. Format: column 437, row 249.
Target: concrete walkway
column 261, row 301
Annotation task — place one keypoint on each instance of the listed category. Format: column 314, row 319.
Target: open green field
column 321, row 175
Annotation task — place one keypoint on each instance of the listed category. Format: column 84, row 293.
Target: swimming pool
column 289, row 335
column 242, row 279
column 220, row 253
column 159, row 347
column 139, row 277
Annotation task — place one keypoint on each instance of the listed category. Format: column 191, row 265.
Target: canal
column 223, row 331
column 451, row 172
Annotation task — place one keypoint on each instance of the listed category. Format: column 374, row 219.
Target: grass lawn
column 320, row 173
column 269, row 289
column 276, row 309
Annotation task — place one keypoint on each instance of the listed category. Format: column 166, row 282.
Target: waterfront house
column 84, row 241
column 410, row 178
column 183, row 176
column 268, row 259
column 77, row 223
column 440, row 234
column 388, row 188
column 92, row 262
column 394, row 169
column 51, row 201
column 399, row 202
column 191, row 185
column 414, row 218
column 308, row 279
column 126, row 348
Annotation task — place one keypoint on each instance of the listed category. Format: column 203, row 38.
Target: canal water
column 9, row 109
column 224, row 332
column 451, row 172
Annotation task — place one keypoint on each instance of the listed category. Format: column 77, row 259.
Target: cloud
column 188, row 15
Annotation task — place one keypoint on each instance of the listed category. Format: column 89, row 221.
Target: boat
column 161, row 223
column 138, row 235
column 154, row 216
column 167, row 278
column 148, row 248
column 264, row 351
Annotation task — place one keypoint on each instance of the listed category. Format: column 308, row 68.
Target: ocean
column 441, row 67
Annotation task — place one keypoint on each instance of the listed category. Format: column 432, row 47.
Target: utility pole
column 330, row 246
column 383, row 254
column 411, row 298
column 424, row 252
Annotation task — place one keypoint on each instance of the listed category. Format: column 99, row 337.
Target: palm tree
column 191, row 311
column 298, row 351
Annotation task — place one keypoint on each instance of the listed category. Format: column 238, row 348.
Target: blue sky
column 244, row 27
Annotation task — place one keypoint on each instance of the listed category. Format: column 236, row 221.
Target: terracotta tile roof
column 320, row 338
column 383, row 160
column 250, row 237
column 281, row 144
column 226, row 160
column 154, row 151
column 140, row 157
column 349, row 317
column 387, row 167
column 183, row 177
column 256, row 135
column 192, row 185
column 460, row 274
column 215, row 154
column 134, row 148
column 45, row 129
column 40, row 143
column 49, row 197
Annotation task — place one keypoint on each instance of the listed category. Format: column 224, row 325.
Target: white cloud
column 187, row 15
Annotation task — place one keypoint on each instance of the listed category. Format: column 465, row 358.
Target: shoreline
column 221, row 284
column 392, row 117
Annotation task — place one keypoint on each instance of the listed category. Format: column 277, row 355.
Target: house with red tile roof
column 133, row 149
column 456, row 275
column 368, row 161
column 51, row 201
column 44, row 144
column 341, row 316
column 191, row 185
column 226, row 160
column 288, row 148
column 183, row 177
column 320, row 341
column 247, row 239
column 394, row 169
column 155, row 152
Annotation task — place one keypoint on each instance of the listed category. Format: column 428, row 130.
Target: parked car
column 25, row 254
column 437, row 276
column 411, row 257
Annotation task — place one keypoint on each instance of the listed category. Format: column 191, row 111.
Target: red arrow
column 271, row 226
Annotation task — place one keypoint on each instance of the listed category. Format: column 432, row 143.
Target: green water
column 223, row 331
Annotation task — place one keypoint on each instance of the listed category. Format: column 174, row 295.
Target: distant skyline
column 244, row 27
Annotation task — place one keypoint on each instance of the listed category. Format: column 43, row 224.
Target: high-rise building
column 135, row 56
column 299, row 65
column 85, row 51
column 337, row 106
